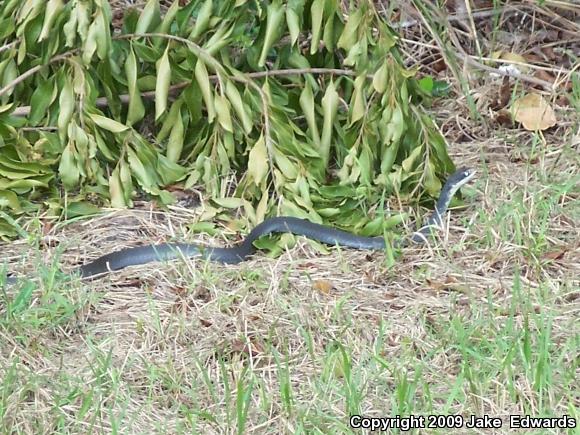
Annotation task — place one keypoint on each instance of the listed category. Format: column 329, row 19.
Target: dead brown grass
column 179, row 317
column 164, row 348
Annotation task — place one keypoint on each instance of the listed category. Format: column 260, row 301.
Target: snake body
column 330, row 236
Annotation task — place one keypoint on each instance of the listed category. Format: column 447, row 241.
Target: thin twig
column 124, row 98
column 34, row 70
column 9, row 46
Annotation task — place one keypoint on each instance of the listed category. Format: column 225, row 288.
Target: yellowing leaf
column 534, row 112
column 68, row 170
column 307, row 106
column 108, row 123
column 175, row 142
column 222, row 108
column 239, row 106
column 357, row 101
column 203, row 81
column 53, row 8
column 116, row 190
column 258, row 161
column 380, row 78
column 329, row 106
column 292, row 21
column 136, row 109
column 162, row 85
column 66, row 104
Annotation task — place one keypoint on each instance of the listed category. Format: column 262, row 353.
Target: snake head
column 460, row 177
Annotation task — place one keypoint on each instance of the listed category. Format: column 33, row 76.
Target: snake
column 283, row 224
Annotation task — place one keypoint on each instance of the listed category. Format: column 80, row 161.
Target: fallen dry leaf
column 554, row 255
column 323, row 286
column 512, row 57
column 534, row 112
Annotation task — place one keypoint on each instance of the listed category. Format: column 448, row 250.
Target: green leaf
column 441, row 88
column 432, row 183
column 229, row 202
column 170, row 120
column 143, row 174
column 70, row 27
column 274, row 26
column 169, row 18
column 410, row 162
column 22, row 300
column 426, row 84
column 289, row 169
column 126, row 180
column 90, row 43
column 169, row 172
column 103, row 36
column 42, row 97
column 163, row 81
column 202, row 22
column 9, row 199
column 316, row 13
column 349, row 35
column 328, row 34
column 149, row 18
column 81, row 208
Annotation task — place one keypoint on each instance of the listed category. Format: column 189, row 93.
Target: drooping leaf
column 175, row 142
column 163, row 81
column 108, row 123
column 222, row 108
column 329, row 107
column 258, row 161
column 136, row 109
column 149, row 18
column 68, row 168
column 316, row 14
column 202, row 22
column 274, row 26
column 203, row 81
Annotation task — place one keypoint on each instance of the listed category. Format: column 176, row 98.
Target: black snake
column 331, row 236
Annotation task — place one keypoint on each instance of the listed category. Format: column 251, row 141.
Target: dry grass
column 482, row 320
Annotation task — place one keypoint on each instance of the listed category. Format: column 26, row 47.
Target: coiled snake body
column 331, row 236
